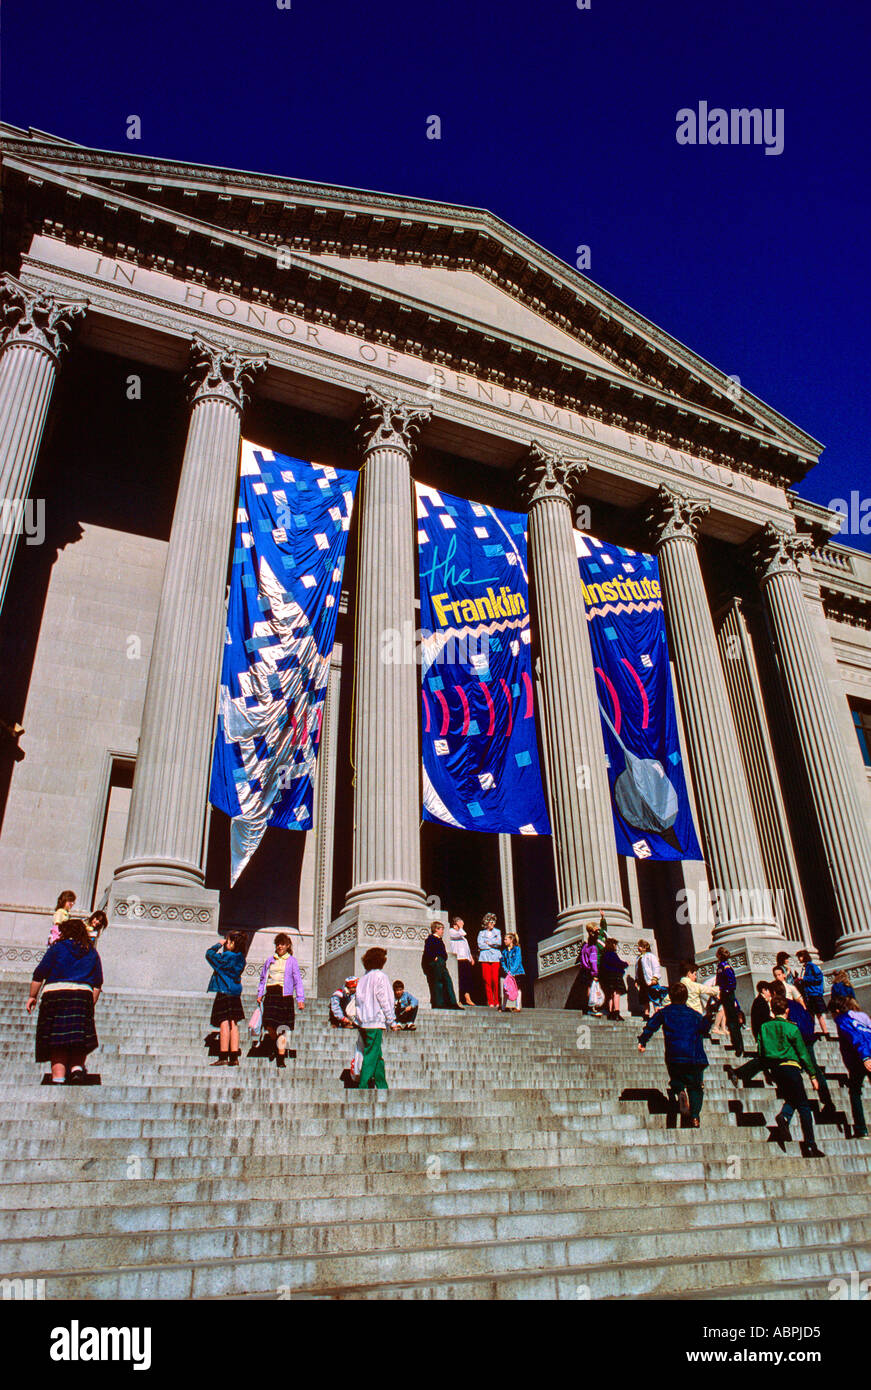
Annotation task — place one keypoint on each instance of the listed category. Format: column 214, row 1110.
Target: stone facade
column 417, row 341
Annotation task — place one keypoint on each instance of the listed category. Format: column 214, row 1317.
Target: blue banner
column 289, row 555
column 480, row 752
column 623, row 598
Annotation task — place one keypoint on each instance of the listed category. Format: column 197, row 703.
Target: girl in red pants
column 489, row 955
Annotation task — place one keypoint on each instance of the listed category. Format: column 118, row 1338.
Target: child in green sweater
column 786, row 1054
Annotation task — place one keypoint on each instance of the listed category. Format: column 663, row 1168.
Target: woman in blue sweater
column 227, row 960
column 70, row 976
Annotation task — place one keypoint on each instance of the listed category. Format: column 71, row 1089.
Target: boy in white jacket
column 375, row 1012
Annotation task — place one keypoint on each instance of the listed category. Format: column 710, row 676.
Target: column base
column 171, row 872
column 386, row 895
column 158, row 935
column 401, row 932
column 852, row 947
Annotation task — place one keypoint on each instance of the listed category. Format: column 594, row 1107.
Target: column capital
column 389, row 421
column 546, row 474
column 675, row 515
column 31, row 318
column 777, row 550
column 219, row 372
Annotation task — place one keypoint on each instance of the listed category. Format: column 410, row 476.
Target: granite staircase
column 529, row 1156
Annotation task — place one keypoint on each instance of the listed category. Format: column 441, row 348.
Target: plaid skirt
column 227, row 1008
column 278, row 1008
column 65, row 1020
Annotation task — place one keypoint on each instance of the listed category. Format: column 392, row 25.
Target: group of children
column 783, row 1021
column 370, row 1004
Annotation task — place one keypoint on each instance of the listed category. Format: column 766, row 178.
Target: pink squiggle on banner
column 618, row 717
column 645, row 703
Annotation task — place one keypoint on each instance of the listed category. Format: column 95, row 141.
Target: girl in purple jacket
column 280, row 982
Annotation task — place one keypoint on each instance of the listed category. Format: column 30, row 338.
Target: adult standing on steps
column 489, row 956
column 459, row 944
column 280, row 983
column 70, row 976
column 812, row 983
column 683, row 1030
column 611, row 971
column 435, row 967
column 375, row 1012
column 648, row 974
column 727, row 985
column 227, row 960
column 589, row 971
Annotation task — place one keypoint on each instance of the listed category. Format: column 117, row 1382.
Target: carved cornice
column 219, row 372
column 778, row 551
column 675, row 515
column 388, row 421
column 221, row 228
column 547, row 475
column 29, row 318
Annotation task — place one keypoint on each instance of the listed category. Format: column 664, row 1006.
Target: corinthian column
column 35, row 329
column 386, row 699
column 164, row 841
column 736, row 875
column 841, row 824
column 579, row 798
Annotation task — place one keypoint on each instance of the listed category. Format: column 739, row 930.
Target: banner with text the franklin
column 291, row 538
column 481, row 766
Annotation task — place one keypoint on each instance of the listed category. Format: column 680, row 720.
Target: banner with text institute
column 623, row 598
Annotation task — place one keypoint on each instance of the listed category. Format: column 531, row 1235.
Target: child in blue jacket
column 683, row 1030
column 812, row 984
column 854, row 1039
column 227, row 960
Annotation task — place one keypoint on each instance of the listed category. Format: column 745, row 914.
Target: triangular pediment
column 469, row 296
column 450, row 282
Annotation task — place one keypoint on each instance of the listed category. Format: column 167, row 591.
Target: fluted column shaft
column 164, row 841
column 34, row 329
column 839, row 815
column 778, row 856
column 386, row 699
column 736, row 874
column 579, row 799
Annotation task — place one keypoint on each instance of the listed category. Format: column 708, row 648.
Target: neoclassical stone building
column 153, row 313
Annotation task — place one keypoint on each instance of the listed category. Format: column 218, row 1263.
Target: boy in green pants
column 785, row 1052
column 375, row 1012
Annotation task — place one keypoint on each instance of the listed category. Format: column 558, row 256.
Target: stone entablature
column 121, row 292
column 229, row 228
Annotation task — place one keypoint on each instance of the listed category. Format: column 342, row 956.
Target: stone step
column 416, row 1235
column 523, row 1268
column 116, row 1160
column 623, row 1214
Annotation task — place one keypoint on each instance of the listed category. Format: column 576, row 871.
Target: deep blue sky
column 558, row 120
